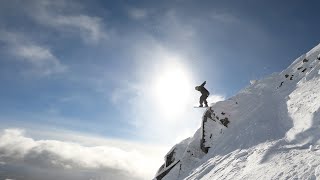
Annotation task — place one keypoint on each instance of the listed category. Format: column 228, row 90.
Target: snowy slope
column 273, row 133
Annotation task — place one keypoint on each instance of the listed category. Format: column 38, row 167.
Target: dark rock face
column 167, row 166
column 210, row 115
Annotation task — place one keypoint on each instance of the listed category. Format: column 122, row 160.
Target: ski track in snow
column 274, row 130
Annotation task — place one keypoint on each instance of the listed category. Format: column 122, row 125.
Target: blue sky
column 92, row 66
column 119, row 76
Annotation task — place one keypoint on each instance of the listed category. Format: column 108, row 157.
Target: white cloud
column 111, row 159
column 41, row 58
column 64, row 17
column 137, row 14
column 176, row 29
column 90, row 28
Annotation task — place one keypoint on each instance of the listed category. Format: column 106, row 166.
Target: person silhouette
column 204, row 94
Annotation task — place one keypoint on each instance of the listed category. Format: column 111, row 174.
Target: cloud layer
column 21, row 156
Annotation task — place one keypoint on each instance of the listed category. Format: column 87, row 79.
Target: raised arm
column 204, row 83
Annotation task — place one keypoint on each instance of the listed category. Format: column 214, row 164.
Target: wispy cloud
column 63, row 17
column 40, row 57
column 90, row 28
column 177, row 29
column 224, row 17
column 69, row 160
column 137, row 13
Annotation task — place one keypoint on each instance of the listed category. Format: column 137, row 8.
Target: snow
column 274, row 130
column 253, row 82
column 265, row 161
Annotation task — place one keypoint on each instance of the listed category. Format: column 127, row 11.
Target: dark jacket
column 202, row 89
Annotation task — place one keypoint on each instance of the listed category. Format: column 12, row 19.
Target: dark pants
column 203, row 98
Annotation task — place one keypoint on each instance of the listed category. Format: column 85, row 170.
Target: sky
column 122, row 73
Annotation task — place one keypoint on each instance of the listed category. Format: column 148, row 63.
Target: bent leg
column 202, row 99
column 205, row 101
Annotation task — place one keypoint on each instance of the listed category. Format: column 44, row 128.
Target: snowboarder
column 205, row 93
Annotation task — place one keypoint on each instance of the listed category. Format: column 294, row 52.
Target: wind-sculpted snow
column 273, row 122
column 264, row 161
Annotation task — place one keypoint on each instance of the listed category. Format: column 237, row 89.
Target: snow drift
column 269, row 130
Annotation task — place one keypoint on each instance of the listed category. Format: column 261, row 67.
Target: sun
column 172, row 89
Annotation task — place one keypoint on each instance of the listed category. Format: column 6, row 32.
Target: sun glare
column 172, row 90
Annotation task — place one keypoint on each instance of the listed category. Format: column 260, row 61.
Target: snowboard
column 200, row 107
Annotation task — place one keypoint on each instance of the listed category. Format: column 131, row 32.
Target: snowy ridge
column 273, row 122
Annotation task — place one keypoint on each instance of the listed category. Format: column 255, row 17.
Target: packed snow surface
column 273, row 133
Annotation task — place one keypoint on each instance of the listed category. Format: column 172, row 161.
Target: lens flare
column 172, row 90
